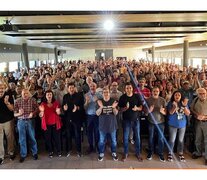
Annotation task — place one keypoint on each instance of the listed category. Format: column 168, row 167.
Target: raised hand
column 21, row 111
column 65, row 107
column 30, row 115
column 114, row 105
column 75, row 108
column 58, row 111
column 6, row 99
column 162, row 110
column 185, row 102
column 41, row 108
column 175, row 104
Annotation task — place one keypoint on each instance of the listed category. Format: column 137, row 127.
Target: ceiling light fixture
column 108, row 25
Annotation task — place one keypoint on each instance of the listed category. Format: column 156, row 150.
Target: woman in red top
column 51, row 122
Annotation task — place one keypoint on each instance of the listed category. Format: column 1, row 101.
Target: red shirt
column 50, row 116
column 146, row 92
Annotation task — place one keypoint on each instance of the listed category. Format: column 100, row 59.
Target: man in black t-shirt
column 6, row 123
column 131, row 106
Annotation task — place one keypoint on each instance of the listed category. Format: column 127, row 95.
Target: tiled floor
column 91, row 162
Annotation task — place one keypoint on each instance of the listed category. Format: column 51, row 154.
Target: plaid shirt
column 29, row 106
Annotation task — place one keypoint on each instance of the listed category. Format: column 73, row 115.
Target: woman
column 167, row 93
column 107, row 112
column 177, row 111
column 51, row 122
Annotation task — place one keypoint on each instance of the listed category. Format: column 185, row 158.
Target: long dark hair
column 45, row 99
column 173, row 99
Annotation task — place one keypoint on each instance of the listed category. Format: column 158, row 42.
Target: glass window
column 3, row 67
column 178, row 61
column 13, row 66
column 197, row 62
column 31, row 64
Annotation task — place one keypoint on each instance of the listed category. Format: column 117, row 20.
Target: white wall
column 89, row 54
column 129, row 53
column 79, row 54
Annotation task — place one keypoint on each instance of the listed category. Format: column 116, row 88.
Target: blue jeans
column 172, row 136
column 102, row 141
column 135, row 125
column 92, row 131
column 25, row 127
column 160, row 133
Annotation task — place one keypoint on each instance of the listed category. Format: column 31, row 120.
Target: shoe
column 170, row 158
column 21, row 160
column 139, row 158
column 68, row 154
column 79, row 154
column 100, row 158
column 194, row 156
column 182, row 158
column 50, row 155
column 149, row 156
column 124, row 157
column 206, row 162
column 115, row 157
column 12, row 157
column 59, row 154
column 162, row 159
column 35, row 157
column 1, row 161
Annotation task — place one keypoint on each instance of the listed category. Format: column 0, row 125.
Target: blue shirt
column 177, row 119
column 92, row 105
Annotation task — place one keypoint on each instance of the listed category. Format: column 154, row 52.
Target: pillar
column 185, row 53
column 56, row 55
column 25, row 55
column 153, row 53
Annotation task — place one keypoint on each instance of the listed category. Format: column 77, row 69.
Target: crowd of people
column 106, row 100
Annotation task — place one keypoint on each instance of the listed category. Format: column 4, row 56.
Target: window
column 31, row 64
column 197, row 62
column 3, row 67
column 13, row 66
column 178, row 61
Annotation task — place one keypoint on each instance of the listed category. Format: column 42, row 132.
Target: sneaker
column 182, row 158
column 1, row 161
column 12, row 157
column 139, row 158
column 50, row 155
column 21, row 160
column 100, row 158
column 162, row 159
column 59, row 154
column 149, row 156
column 35, row 156
column 79, row 154
column 68, row 154
column 194, row 156
column 124, row 157
column 170, row 158
column 115, row 157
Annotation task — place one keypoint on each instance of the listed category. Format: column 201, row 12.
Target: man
column 156, row 120
column 131, row 106
column 25, row 109
column 199, row 110
column 6, row 123
column 73, row 103
column 92, row 119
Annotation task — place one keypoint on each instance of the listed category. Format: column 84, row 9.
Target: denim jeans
column 160, row 133
column 172, row 136
column 25, row 127
column 102, row 141
column 135, row 125
column 92, row 131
